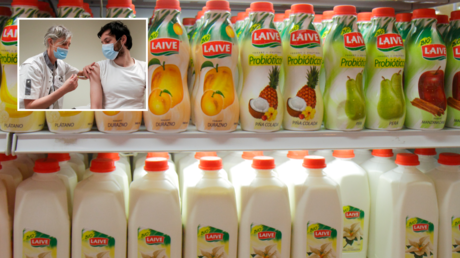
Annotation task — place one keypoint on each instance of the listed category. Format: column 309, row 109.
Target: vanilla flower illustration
column 104, row 254
column 353, row 233
column 269, row 252
column 157, row 254
column 42, row 255
column 216, row 252
column 421, row 247
column 325, row 251
column 456, row 249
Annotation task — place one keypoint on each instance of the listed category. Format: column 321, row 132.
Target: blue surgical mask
column 109, row 51
column 60, row 53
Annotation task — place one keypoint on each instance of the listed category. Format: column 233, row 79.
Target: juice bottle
column 452, row 86
column 383, row 86
column 427, row 158
column 446, row 178
column 170, row 173
column 188, row 25
column 279, row 22
column 10, row 177
column 99, row 217
column 443, row 26
column 69, row 121
column 41, row 220
column 302, row 59
column 118, row 121
column 12, row 120
column 261, row 103
column 240, row 22
column 406, row 227
column 265, row 225
column 326, row 26
column 155, row 226
column 344, row 61
column 120, row 9
column 318, row 22
column 426, row 56
column 317, row 220
column 364, row 23
column 403, row 24
column 5, row 14
column 216, row 103
column 375, row 167
column 211, row 234
column 355, row 195
column 66, row 174
column 87, row 13
column 70, row 9
column 169, row 54
column 5, row 221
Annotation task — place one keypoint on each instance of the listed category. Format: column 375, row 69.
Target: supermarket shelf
column 192, row 140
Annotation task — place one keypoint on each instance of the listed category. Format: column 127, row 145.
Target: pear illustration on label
column 266, row 105
column 218, row 88
column 355, row 105
column 390, row 105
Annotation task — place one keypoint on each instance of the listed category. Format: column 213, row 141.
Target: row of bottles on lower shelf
column 244, row 204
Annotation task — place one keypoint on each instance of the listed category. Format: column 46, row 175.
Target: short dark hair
column 117, row 29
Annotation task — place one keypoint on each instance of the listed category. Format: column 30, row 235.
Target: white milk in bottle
column 41, row 220
column 79, row 162
column 99, row 218
column 120, row 162
column 155, row 226
column 11, row 177
column 66, row 174
column 361, row 156
column 427, row 158
column 327, row 154
column 170, row 173
column 5, row 221
column 231, row 160
column 211, row 221
column 23, row 166
column 191, row 172
column 354, row 190
column 317, row 219
column 265, row 225
column 407, row 227
column 446, row 178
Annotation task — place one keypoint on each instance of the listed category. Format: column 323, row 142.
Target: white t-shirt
column 123, row 87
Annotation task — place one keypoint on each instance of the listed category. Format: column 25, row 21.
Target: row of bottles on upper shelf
column 243, row 204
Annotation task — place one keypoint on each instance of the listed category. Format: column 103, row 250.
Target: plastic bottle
column 427, row 158
column 118, row 121
column 406, row 226
column 120, row 9
column 375, row 167
column 318, row 22
column 188, row 25
column 99, row 217
column 317, row 219
column 193, row 50
column 280, row 156
column 216, row 105
column 240, row 24
column 5, row 14
column 424, row 73
column 215, row 233
column 79, row 162
column 344, row 61
column 292, row 173
column 327, row 154
column 10, row 176
column 66, row 174
column 446, row 178
column 302, row 59
column 403, row 24
column 70, row 9
column 383, row 86
column 231, row 160
column 452, row 86
column 169, row 55
column 261, row 102
column 69, row 121
column 362, row 155
column 443, row 26
column 6, row 222
column 191, row 164
column 354, row 190
column 279, row 22
column 12, row 120
column 171, row 173
column 41, row 220
column 121, row 163
column 12, row 161
column 87, row 13
column 155, row 225
column 364, row 23
column 326, row 26
column 265, row 225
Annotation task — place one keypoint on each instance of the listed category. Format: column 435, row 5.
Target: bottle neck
column 407, row 169
column 314, row 172
column 21, row 11
column 44, row 176
column 426, row 158
column 448, row 168
column 264, row 173
column 211, row 173
column 381, row 159
column 156, row 174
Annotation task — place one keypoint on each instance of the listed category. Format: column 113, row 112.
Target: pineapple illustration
column 307, row 92
column 269, row 92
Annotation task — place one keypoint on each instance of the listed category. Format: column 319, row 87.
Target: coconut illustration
column 258, row 107
column 295, row 106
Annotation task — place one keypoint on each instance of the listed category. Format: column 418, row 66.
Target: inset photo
column 82, row 64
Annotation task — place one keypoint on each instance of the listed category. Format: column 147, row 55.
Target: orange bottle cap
column 263, row 163
column 314, row 162
column 156, row 164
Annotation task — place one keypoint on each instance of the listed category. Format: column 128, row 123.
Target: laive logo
column 263, row 38
column 352, row 214
column 305, row 38
column 217, row 49
column 420, row 227
column 322, row 233
column 354, row 41
column 434, row 52
column 98, row 241
column 214, row 237
column 456, row 51
column 164, row 46
column 151, row 240
column 10, row 35
column 39, row 242
column 267, row 235
column 390, row 42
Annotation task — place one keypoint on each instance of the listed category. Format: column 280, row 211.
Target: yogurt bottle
column 189, row 24
column 99, row 223
column 265, row 225
column 427, row 158
column 317, row 215
column 403, row 24
column 155, row 226
column 69, row 121
column 364, row 23
column 279, row 22
column 318, row 22
column 5, row 14
column 452, row 86
column 6, row 222
column 443, row 26
column 446, row 178
column 120, row 9
column 41, row 220
column 118, row 121
column 326, row 26
column 70, row 9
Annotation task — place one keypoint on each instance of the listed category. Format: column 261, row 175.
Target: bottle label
column 419, row 238
column 321, row 240
column 212, row 242
column 96, row 244
column 353, row 229
column 452, row 83
column 455, row 237
column 151, row 243
column 265, row 241
column 38, row 244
